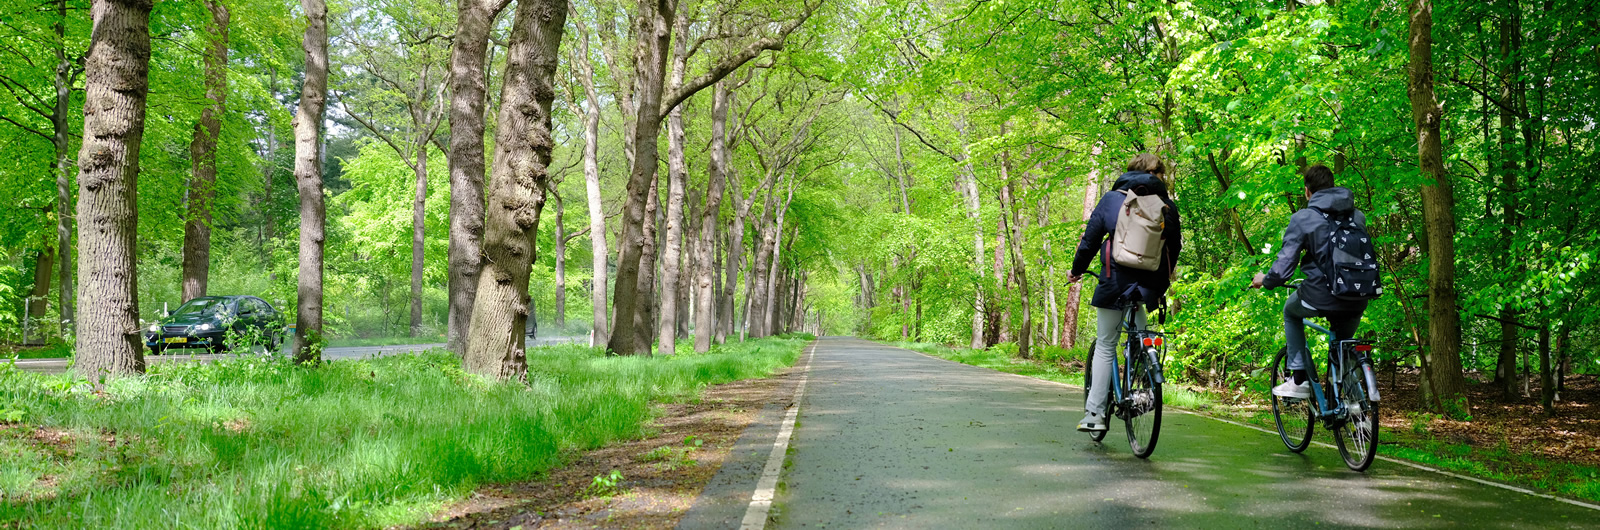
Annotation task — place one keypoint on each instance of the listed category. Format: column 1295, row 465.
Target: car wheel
column 156, row 350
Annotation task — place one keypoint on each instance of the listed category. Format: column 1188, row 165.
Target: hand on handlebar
column 1258, row 280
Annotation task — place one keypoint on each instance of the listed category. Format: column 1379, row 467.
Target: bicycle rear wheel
column 1294, row 416
column 1088, row 381
column 1358, row 435
column 1142, row 413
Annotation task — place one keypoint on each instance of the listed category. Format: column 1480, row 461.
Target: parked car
column 206, row 322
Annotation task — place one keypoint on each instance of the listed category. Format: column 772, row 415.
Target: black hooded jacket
column 1303, row 243
column 1117, row 279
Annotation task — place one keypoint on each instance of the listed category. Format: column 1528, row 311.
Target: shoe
column 1091, row 423
column 1290, row 390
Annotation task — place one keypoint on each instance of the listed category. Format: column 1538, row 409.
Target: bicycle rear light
column 1363, row 348
column 1153, row 341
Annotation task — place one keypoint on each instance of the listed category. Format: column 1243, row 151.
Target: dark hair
column 1318, row 178
column 1147, row 163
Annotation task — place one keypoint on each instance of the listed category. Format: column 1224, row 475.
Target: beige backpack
column 1137, row 239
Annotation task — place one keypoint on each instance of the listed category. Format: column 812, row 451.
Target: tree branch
column 731, row 63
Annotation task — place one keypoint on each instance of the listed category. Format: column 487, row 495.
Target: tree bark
column 308, row 180
column 644, row 318
column 1444, row 324
column 63, row 173
column 705, row 314
column 116, row 81
column 1018, row 265
column 677, row 180
column 969, row 192
column 653, row 27
column 560, row 319
column 418, row 228
column 1091, row 193
column 1510, row 40
column 756, row 279
column 203, row 154
column 523, row 146
column 735, row 254
column 1547, row 386
column 770, row 301
column 468, row 89
column 591, row 180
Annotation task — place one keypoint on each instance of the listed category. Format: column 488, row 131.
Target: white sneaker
column 1091, row 423
column 1290, row 390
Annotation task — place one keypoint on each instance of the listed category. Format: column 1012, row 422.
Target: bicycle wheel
column 1294, row 416
column 1088, row 381
column 1142, row 412
column 1358, row 435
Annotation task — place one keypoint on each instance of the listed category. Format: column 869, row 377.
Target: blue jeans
column 1342, row 323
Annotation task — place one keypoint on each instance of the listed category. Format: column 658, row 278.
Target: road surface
column 328, row 354
column 891, row 438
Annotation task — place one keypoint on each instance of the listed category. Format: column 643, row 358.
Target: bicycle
column 1352, row 417
column 1135, row 393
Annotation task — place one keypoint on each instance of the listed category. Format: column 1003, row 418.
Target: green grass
column 258, row 443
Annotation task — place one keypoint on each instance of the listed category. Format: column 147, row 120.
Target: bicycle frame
column 1339, row 352
column 1151, row 340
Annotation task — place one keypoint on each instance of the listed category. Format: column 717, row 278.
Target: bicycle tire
column 1143, row 415
column 1357, row 436
column 1294, row 417
column 1088, row 382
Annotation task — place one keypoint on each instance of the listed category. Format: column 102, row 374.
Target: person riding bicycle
column 1145, row 177
column 1305, row 242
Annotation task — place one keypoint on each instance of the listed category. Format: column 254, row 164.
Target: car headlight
column 155, row 328
column 204, row 327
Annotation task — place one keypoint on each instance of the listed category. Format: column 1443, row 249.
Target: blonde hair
column 1148, row 163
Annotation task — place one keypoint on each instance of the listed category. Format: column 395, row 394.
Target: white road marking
column 1326, row 445
column 755, row 518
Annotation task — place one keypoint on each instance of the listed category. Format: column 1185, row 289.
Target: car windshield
column 202, row 306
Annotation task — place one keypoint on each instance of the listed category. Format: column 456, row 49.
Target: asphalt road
column 329, row 354
column 891, row 438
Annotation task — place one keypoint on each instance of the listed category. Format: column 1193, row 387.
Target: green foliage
column 258, row 441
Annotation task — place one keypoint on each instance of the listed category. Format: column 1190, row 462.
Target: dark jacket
column 1304, row 242
column 1097, row 237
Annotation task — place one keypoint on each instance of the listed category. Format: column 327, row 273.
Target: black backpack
column 1351, row 264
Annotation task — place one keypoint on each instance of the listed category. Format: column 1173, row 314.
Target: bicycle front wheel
column 1358, row 435
column 1143, row 410
column 1294, row 416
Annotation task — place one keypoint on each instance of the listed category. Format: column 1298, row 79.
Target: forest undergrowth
column 1506, row 442
column 261, row 443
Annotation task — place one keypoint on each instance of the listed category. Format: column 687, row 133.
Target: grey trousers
column 1108, row 332
column 1295, row 313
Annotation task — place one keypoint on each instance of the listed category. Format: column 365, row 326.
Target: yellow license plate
column 177, row 340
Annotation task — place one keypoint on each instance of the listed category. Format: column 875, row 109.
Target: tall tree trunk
column 677, row 180
column 969, row 192
column 1000, row 310
column 1438, row 203
column 523, row 146
column 1547, row 384
column 60, row 140
column 756, row 279
column 1018, row 264
column 1505, row 375
column 468, row 91
column 644, row 318
column 770, row 300
column 39, row 296
column 705, row 313
column 308, row 180
column 591, row 181
column 203, row 154
column 116, row 81
column 653, row 27
column 418, row 218
column 735, row 254
column 1091, row 193
column 560, row 319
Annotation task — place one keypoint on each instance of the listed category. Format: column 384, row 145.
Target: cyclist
column 1146, row 175
column 1305, row 242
